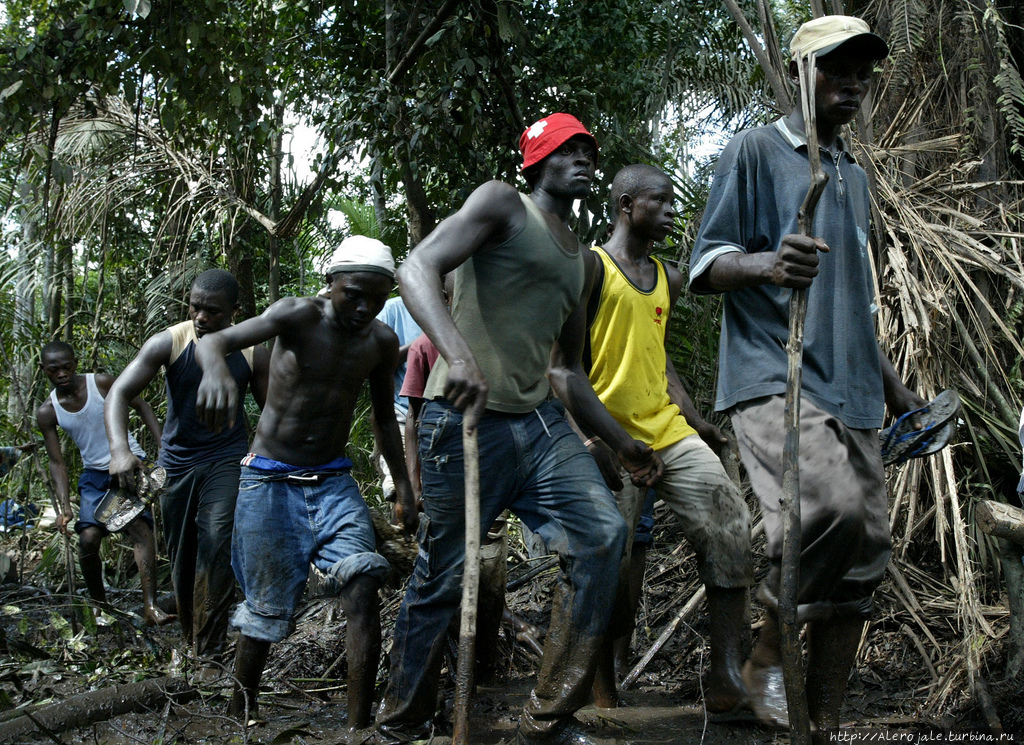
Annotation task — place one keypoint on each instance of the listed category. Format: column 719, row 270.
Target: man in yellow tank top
column 632, row 374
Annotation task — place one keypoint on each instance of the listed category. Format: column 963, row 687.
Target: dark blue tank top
column 186, row 442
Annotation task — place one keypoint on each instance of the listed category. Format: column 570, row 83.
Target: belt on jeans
column 304, row 478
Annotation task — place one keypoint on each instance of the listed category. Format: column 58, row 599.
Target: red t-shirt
column 420, row 361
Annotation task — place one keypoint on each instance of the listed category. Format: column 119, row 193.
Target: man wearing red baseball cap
column 521, row 280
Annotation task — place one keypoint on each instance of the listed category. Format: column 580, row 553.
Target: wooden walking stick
column 792, row 657
column 470, row 587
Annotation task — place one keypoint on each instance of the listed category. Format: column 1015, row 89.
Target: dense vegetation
column 141, row 142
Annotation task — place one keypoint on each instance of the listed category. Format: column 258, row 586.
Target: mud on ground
column 47, row 657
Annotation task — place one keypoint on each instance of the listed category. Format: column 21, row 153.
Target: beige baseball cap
column 828, row 33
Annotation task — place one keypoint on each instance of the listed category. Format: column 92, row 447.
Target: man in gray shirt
column 748, row 248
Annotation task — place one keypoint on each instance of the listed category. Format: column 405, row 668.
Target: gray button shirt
column 760, row 183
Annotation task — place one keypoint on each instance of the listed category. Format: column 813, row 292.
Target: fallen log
column 97, row 706
column 1000, row 520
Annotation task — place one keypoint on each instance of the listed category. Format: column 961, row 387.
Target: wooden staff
column 792, row 656
column 470, row 588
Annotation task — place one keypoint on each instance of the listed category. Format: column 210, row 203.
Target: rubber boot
column 89, row 560
column 832, row 650
column 637, row 567
column 726, row 691
column 606, row 695
column 762, row 676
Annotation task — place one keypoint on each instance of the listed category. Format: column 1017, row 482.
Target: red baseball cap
column 546, row 135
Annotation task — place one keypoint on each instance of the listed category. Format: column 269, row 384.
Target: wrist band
column 591, row 441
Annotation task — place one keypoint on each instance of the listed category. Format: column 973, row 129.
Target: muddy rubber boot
column 569, row 732
column 832, row 650
column 726, row 691
column 606, row 695
column 89, row 561
column 637, row 567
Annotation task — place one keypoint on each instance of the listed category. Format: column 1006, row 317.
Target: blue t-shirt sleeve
column 729, row 212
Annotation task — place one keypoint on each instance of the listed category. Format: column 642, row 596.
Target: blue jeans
column 281, row 524
column 534, row 465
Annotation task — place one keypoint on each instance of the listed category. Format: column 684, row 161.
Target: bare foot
column 767, row 693
column 153, row 616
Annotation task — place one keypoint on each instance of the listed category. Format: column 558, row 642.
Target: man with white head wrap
column 297, row 501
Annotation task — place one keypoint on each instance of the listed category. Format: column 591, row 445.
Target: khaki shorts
column 843, row 506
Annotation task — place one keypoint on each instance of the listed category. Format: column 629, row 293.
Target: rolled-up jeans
column 282, row 523
column 534, row 465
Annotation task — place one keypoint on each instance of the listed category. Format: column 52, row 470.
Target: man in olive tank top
column 634, row 377
column 520, row 282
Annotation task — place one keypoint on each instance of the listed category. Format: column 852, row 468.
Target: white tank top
column 86, row 427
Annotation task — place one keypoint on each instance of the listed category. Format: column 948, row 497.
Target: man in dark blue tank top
column 202, row 466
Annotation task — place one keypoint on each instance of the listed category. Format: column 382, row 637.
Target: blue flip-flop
column 903, row 441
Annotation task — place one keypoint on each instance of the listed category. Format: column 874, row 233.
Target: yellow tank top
column 627, row 348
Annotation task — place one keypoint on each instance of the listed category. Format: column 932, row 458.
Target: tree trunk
column 276, row 161
column 420, row 215
column 24, row 306
column 240, row 264
column 68, row 290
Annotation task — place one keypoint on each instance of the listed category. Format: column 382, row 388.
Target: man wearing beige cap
column 297, row 501
column 748, row 248
column 521, row 280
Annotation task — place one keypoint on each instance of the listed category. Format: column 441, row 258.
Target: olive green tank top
column 510, row 303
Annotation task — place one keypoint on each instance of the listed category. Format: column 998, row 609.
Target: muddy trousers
column 534, row 465
column 199, row 514
column 844, row 512
column 711, row 511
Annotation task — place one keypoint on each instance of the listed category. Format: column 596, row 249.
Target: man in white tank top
column 76, row 406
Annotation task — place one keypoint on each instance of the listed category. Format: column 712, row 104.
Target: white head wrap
column 359, row 253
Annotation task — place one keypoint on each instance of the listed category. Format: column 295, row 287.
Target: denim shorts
column 284, row 523
column 93, row 485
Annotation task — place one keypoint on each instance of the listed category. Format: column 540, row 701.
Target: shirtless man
column 198, row 503
column 520, row 285
column 76, row 405
column 634, row 377
column 297, row 500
